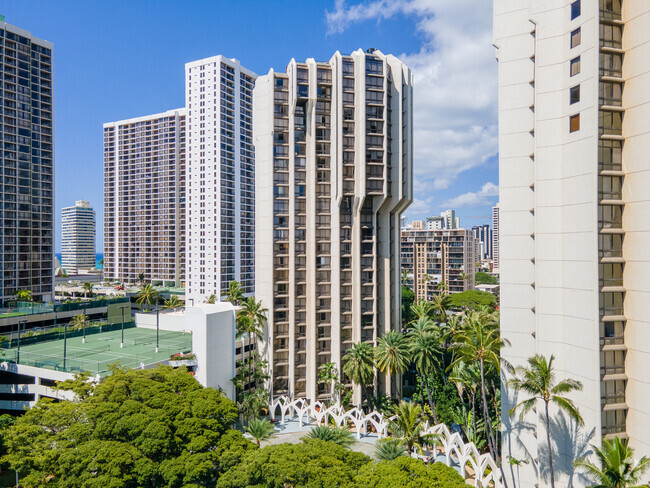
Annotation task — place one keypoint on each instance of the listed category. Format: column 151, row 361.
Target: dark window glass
column 575, row 9
column 575, row 94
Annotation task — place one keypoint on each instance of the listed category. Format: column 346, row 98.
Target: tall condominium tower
column 333, row 145
column 483, row 234
column 26, row 165
column 78, row 237
column 221, row 177
column 144, row 199
column 495, row 238
column 574, row 122
column 433, row 257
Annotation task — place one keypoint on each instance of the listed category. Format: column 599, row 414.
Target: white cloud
column 474, row 199
column 420, row 207
column 455, row 90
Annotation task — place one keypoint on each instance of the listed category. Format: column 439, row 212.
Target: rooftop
column 100, row 350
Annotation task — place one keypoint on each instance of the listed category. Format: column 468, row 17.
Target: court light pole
column 21, row 324
column 122, row 343
column 65, row 344
column 83, row 340
column 157, row 327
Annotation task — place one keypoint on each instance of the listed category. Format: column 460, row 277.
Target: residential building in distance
column 26, row 165
column 435, row 222
column 449, row 219
column 144, row 199
column 574, row 135
column 333, row 144
column 221, row 177
column 78, row 237
column 432, row 257
column 495, row 239
column 484, row 236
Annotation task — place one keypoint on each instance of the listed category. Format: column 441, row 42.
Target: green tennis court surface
column 100, row 350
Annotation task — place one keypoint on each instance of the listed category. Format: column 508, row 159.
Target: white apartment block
column 435, row 223
column 574, row 123
column 449, row 219
column 432, row 257
column 78, row 237
column 144, row 199
column 221, row 177
column 495, row 238
column 26, row 166
column 333, row 145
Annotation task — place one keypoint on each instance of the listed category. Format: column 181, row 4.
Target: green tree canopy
column 138, row 428
column 407, row 472
column 472, row 299
column 482, row 277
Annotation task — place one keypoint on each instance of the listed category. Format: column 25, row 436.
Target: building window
column 575, row 94
column 575, row 38
column 575, row 66
column 574, row 123
column 575, row 9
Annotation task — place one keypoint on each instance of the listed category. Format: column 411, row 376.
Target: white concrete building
column 78, row 237
column 574, row 123
column 333, row 145
column 144, row 199
column 435, row 222
column 26, row 165
column 221, row 177
column 449, row 219
column 495, row 239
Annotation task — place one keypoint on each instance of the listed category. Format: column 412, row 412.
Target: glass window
column 575, row 9
column 575, row 94
column 574, row 123
column 575, row 38
column 575, row 66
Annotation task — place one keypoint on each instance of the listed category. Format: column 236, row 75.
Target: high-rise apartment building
column 574, row 123
column 78, row 237
column 144, row 199
column 26, row 165
column 221, row 177
column 435, row 222
column 495, row 239
column 483, row 234
column 432, row 257
column 333, row 145
column 449, row 219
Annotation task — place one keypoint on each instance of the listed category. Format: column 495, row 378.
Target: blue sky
column 121, row 59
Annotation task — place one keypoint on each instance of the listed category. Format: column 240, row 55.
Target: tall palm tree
column 234, row 294
column 88, row 289
column 422, row 309
column 78, row 321
column 538, row 380
column 392, row 353
column 409, row 425
column 425, row 353
column 260, row 430
column 328, row 374
column 250, row 320
column 440, row 304
column 467, row 379
column 173, row 302
column 358, row 364
column 480, row 343
column 617, row 467
column 146, row 296
column 423, row 325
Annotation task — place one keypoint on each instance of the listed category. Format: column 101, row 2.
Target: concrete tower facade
column 78, row 237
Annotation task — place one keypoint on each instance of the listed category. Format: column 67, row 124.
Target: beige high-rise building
column 574, row 122
column 433, row 257
column 144, row 199
column 333, row 145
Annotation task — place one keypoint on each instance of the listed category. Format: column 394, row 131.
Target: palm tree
column 425, row 352
column 467, row 379
column 147, row 296
column 480, row 343
column 389, row 449
column 212, row 299
column 421, row 309
column 392, row 353
column 88, row 289
column 440, row 304
column 358, row 365
column 260, row 430
column 253, row 403
column 337, row 435
column 444, row 289
column 328, row 374
column 538, row 380
column 408, row 425
column 78, row 322
column 173, row 302
column 617, row 467
column 423, row 325
column 234, row 294
column 250, row 320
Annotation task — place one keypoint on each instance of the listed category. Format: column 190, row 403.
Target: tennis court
column 100, row 350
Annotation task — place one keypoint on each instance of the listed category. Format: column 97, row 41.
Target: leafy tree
column 407, row 472
column 408, row 297
column 138, row 428
column 538, row 380
column 312, row 463
column 6, row 421
column 358, row 365
column 173, row 303
column 147, row 295
column 260, row 430
column 472, row 300
column 24, row 296
column 616, row 467
column 389, row 449
column 253, row 402
column 485, row 278
column 337, row 435
column 234, row 294
column 392, row 353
